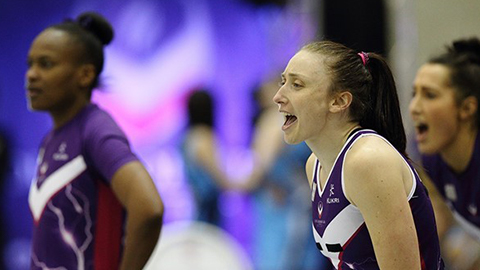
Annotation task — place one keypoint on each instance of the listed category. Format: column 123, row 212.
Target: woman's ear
column 468, row 108
column 86, row 75
column 341, row 102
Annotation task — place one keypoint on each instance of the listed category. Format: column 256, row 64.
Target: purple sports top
column 339, row 228
column 78, row 222
column 460, row 190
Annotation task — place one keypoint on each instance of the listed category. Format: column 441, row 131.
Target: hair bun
column 97, row 25
column 469, row 47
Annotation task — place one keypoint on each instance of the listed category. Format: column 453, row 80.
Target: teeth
column 287, row 116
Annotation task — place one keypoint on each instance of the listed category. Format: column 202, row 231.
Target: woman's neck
column 62, row 117
column 458, row 154
column 327, row 146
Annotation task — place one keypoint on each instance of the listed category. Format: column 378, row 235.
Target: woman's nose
column 414, row 106
column 31, row 74
column 278, row 98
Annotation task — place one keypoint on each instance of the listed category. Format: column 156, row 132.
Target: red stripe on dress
column 422, row 260
column 424, row 266
column 109, row 229
column 344, row 247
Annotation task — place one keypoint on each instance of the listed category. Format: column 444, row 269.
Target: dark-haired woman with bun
column 94, row 204
column 446, row 115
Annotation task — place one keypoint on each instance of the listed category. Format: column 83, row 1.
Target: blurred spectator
column 282, row 218
column 202, row 164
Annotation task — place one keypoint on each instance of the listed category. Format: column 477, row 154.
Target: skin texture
column 451, row 131
column 137, row 193
column 323, row 123
column 301, row 76
column 58, row 83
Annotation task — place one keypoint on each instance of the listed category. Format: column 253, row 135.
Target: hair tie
column 364, row 57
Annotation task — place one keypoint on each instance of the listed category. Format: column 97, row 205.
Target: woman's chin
column 290, row 140
column 426, row 150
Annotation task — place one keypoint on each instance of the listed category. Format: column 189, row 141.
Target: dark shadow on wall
column 360, row 25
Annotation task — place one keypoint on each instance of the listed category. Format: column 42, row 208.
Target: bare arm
column 267, row 145
column 207, row 155
column 136, row 191
column 375, row 182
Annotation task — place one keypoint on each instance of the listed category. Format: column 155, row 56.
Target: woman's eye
column 430, row 95
column 46, row 64
column 296, row 85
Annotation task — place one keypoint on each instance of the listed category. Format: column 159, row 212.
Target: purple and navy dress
column 340, row 231
column 461, row 191
column 78, row 221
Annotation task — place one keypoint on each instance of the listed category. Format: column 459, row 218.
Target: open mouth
column 290, row 119
column 421, row 130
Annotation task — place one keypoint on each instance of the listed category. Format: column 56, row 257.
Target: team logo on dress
column 60, row 154
column 330, row 199
column 320, row 209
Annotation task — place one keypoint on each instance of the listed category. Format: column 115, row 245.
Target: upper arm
column 309, row 168
column 135, row 190
column 268, row 138
column 374, row 183
column 108, row 153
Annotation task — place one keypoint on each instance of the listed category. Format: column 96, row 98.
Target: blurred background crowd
column 190, row 82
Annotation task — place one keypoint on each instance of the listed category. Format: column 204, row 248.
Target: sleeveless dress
column 340, row 231
column 461, row 191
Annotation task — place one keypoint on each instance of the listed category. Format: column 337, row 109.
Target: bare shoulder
column 372, row 152
column 371, row 166
column 309, row 168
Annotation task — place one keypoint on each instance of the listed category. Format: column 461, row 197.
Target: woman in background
column 444, row 109
column 201, row 158
column 94, row 204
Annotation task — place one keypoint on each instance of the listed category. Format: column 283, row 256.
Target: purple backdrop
column 161, row 51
